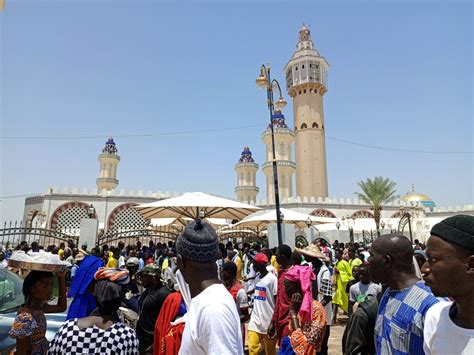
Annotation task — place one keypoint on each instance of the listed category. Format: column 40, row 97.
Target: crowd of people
column 200, row 296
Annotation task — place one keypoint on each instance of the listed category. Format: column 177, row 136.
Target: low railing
column 131, row 235
column 12, row 234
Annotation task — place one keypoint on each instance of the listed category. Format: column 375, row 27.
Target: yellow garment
column 354, row 262
column 255, row 341
column 274, row 263
column 165, row 264
column 60, row 254
column 345, row 274
column 238, row 262
column 111, row 262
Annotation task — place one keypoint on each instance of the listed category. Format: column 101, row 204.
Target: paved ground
column 335, row 339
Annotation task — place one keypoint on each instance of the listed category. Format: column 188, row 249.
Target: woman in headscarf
column 101, row 332
column 307, row 316
column 83, row 302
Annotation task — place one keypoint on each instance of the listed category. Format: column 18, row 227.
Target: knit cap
column 198, row 242
column 458, row 230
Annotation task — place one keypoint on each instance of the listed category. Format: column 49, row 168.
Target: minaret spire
column 306, row 82
column 246, row 169
column 108, row 160
column 284, row 137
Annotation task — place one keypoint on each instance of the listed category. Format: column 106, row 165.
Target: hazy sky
column 401, row 77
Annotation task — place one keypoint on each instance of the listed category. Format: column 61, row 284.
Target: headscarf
column 304, row 276
column 83, row 302
column 119, row 276
column 110, row 285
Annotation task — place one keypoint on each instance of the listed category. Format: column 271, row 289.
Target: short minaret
column 109, row 159
column 246, row 169
column 284, row 137
column 306, row 82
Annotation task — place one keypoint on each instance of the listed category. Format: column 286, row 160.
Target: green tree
column 376, row 193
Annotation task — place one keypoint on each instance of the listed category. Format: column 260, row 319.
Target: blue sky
column 400, row 77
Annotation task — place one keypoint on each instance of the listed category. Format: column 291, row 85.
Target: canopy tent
column 359, row 224
column 196, row 204
column 181, row 222
column 260, row 220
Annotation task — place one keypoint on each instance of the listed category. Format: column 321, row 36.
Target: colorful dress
column 309, row 338
column 345, row 274
column 31, row 324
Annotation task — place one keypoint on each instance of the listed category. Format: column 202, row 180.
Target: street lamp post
column 264, row 81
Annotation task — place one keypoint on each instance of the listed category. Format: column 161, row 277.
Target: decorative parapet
column 246, row 164
column 289, row 163
column 246, row 188
column 278, row 131
column 34, row 199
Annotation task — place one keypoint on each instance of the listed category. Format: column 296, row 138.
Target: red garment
column 168, row 337
column 148, row 261
column 235, row 289
column 281, row 315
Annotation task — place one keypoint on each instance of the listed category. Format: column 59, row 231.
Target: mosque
column 306, row 83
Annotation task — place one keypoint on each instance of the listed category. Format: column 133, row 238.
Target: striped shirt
column 400, row 320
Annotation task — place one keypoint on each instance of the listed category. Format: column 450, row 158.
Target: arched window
column 303, row 126
column 362, row 214
column 125, row 217
column 323, row 213
column 249, row 182
column 69, row 216
column 315, row 125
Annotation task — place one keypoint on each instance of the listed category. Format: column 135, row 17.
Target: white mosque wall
column 107, row 202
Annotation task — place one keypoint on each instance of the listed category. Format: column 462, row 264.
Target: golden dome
column 415, row 197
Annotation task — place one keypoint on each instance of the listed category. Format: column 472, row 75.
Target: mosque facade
column 306, row 82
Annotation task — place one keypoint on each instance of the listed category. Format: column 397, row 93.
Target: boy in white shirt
column 263, row 307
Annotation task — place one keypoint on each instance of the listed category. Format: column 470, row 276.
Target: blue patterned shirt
column 400, row 320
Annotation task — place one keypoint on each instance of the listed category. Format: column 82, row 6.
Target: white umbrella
column 194, row 205
column 160, row 222
column 260, row 220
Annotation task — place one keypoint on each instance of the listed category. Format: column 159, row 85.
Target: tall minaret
column 286, row 167
column 306, row 82
column 246, row 169
column 109, row 159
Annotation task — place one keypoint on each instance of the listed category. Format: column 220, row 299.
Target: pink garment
column 304, row 275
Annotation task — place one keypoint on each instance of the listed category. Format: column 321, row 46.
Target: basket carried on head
column 28, row 265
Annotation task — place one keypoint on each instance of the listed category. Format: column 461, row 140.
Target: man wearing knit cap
column 263, row 307
column 213, row 323
column 449, row 271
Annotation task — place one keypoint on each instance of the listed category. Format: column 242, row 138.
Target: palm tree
column 376, row 193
